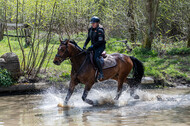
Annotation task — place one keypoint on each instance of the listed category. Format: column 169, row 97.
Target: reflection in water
column 155, row 107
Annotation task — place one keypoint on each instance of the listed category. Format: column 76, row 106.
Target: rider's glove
column 90, row 48
column 84, row 47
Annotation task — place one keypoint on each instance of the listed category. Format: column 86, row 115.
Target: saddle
column 106, row 60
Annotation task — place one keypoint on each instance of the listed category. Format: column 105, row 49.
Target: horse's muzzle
column 56, row 62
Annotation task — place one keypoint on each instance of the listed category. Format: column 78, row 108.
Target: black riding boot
column 100, row 76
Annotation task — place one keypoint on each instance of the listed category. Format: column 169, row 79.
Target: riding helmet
column 95, row 19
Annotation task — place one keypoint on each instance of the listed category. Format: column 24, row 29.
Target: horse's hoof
column 60, row 105
column 63, row 106
column 95, row 103
column 136, row 97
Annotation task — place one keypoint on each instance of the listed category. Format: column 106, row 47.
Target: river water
column 156, row 107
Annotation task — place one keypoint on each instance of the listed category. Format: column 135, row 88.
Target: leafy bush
column 179, row 51
column 5, row 78
column 65, row 75
column 143, row 51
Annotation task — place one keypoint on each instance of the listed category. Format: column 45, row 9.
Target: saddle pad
column 109, row 61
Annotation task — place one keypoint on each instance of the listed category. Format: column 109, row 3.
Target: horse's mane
column 75, row 44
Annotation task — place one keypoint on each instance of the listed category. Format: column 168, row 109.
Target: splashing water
column 102, row 97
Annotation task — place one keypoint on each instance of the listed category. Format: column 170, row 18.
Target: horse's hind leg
column 133, row 86
column 119, row 88
column 121, row 79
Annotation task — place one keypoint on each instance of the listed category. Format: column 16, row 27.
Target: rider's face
column 94, row 25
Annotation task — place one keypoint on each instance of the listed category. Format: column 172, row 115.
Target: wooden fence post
column 27, row 32
column 1, row 31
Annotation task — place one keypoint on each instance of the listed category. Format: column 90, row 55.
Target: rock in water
column 147, row 80
column 10, row 61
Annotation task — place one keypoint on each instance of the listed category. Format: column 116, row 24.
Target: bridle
column 66, row 51
column 70, row 57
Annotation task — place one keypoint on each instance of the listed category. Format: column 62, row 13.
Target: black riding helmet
column 95, row 19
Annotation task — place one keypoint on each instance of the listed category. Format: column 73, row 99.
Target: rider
column 97, row 37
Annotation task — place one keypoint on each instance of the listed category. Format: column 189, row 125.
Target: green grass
column 4, row 48
column 166, row 66
column 173, row 64
column 179, row 51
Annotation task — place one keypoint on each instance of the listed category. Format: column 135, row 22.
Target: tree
column 1, row 31
column 188, row 39
column 132, row 28
column 151, row 15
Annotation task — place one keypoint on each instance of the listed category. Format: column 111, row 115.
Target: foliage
column 145, row 52
column 179, row 51
column 5, row 78
column 65, row 75
column 72, row 16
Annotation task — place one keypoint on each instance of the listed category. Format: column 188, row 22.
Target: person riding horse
column 97, row 38
column 83, row 71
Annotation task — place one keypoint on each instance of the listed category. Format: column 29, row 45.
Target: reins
column 82, row 65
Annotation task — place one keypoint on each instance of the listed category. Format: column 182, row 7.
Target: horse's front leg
column 119, row 89
column 72, row 85
column 85, row 93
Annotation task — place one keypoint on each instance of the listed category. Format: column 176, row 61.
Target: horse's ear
column 60, row 40
column 67, row 41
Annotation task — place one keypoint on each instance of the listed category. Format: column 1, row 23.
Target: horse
column 83, row 70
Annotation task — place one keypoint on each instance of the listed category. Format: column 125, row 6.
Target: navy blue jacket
column 97, row 37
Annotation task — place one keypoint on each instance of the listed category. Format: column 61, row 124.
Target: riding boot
column 100, row 76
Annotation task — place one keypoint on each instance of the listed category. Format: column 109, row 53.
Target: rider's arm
column 101, row 38
column 88, row 39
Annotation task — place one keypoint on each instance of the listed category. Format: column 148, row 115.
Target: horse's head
column 62, row 53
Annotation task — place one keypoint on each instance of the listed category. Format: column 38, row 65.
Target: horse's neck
column 77, row 61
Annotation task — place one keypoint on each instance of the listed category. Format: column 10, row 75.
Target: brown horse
column 83, row 70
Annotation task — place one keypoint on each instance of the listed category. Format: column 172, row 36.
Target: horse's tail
column 138, row 69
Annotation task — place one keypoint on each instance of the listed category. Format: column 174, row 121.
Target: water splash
column 106, row 98
column 51, row 98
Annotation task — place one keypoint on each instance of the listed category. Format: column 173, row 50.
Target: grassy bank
column 170, row 63
column 171, row 68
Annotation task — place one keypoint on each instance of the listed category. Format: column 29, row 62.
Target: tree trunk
column 152, row 9
column 5, row 8
column 188, row 37
column 132, row 29
column 1, row 31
